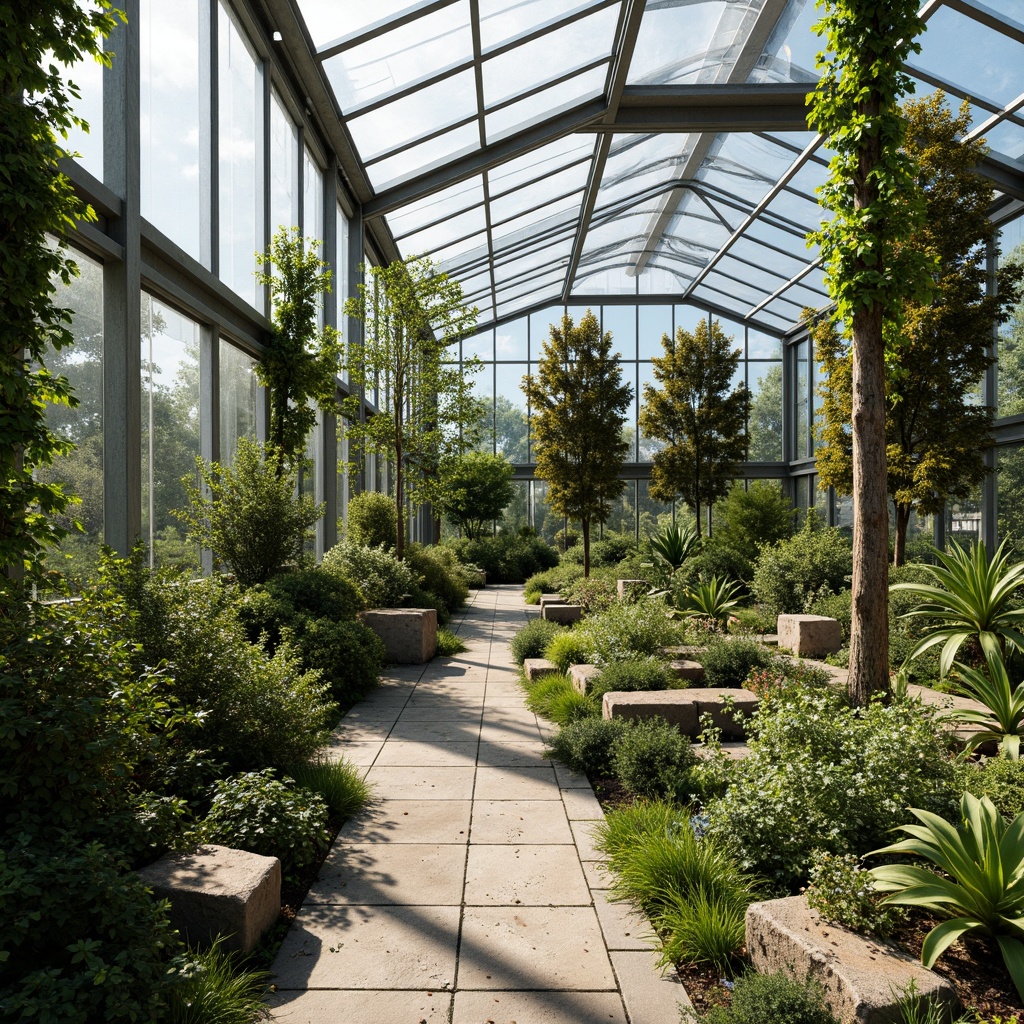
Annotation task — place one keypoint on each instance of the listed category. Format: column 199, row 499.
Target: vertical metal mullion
column 207, row 133
column 327, row 478
column 213, row 41
column 209, row 415
column 353, row 325
column 122, row 288
column 989, row 396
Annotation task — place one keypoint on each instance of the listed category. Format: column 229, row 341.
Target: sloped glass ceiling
column 498, row 139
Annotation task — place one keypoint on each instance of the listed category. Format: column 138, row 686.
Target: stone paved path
column 470, row 891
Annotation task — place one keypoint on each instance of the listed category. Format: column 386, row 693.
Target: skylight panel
column 327, row 20
column 504, row 20
column 675, row 41
column 414, row 160
column 437, row 206
column 539, row 163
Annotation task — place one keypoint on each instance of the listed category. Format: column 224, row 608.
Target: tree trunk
column 399, row 503
column 899, row 544
column 585, row 523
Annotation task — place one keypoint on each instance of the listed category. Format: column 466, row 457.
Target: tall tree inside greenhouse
column 474, row 489
column 412, row 315
column 698, row 415
column 875, row 206
column 36, row 202
column 579, row 404
column 935, row 433
column 301, row 359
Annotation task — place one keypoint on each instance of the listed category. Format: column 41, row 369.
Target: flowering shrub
column 842, row 892
column 777, row 677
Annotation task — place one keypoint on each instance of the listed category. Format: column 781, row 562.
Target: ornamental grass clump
column 553, row 696
column 338, row 782
column 533, row 638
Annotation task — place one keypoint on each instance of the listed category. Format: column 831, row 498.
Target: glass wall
column 238, row 397
column 175, row 144
column 284, row 167
column 170, row 428
column 1010, row 496
column 240, row 114
column 81, row 471
column 1010, row 399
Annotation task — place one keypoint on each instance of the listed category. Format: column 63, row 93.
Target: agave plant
column 710, row 599
column 673, row 545
column 984, row 890
column 973, row 596
column 1003, row 717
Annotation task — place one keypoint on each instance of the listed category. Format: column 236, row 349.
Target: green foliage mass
column 253, row 520
column 37, row 203
column 371, row 520
column 273, row 817
column 300, row 360
column 824, row 775
column 815, row 558
column 626, row 631
column 748, row 517
column 728, row 662
column 474, row 489
column 507, row 557
column 384, row 580
column 551, row 581
column 533, row 638
column 210, row 988
column 841, row 891
column 337, row 781
column 652, row 759
column 635, row 674
column 772, row 999
column 440, row 574
column 587, row 745
column 998, row 778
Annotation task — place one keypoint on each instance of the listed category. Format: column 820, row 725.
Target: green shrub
column 566, row 648
column 550, row 581
column 715, row 559
column 593, row 593
column 384, row 581
column 652, row 759
column 751, row 516
column 83, row 940
column 841, row 891
column 249, row 514
column 259, row 813
column 632, row 675
column 507, row 557
column 814, row 559
column 823, row 775
column 627, row 631
column 772, row 999
column 348, row 654
column 586, row 745
column 210, row 988
column 729, row 662
column 449, row 644
column 420, row 598
column 532, row 640
column 440, row 574
column 998, row 778
column 371, row 520
column 339, row 783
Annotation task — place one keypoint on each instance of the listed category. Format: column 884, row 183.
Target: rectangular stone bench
column 409, row 634
column 810, row 636
column 546, row 599
column 582, row 676
column 566, row 614
column 683, row 708
column 217, row 891
column 534, row 668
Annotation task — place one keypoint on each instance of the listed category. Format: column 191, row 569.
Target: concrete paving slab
column 650, row 994
column 439, row 712
column 502, row 754
column 583, row 836
column 427, row 754
column 580, row 805
column 525, row 875
column 596, row 874
column 369, row 948
column 557, row 948
column 423, row 783
column 410, row 874
column 329, row 1006
column 568, row 779
column 409, row 821
column 520, row 821
column 514, row 729
column 362, row 732
column 517, row 784
column 461, row 731
column 538, row 1008
column 623, row 927
column 362, row 755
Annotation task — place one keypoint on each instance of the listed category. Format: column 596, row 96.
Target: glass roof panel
column 437, row 206
column 550, row 55
column 415, row 115
column 503, row 20
column 556, row 214
column 637, row 163
column 448, row 256
column 561, row 183
column 547, row 103
column 789, row 55
column 394, row 59
column 447, row 231
column 674, row 41
column 1007, row 138
column 746, row 167
column 765, row 279
column 416, row 159
column 984, row 62
column 539, row 162
column 661, row 277
column 327, row 20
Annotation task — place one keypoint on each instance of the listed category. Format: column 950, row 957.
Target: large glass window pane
column 238, row 397
column 284, row 168
column 801, row 396
column 240, row 91
column 175, row 127
column 764, row 428
column 170, row 428
column 1010, row 498
column 1011, row 334
column 963, row 519
column 81, row 472
column 87, row 74
column 510, row 340
column 510, row 411
column 655, row 321
column 622, row 517
column 621, row 322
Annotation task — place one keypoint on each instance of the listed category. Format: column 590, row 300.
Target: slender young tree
column 302, row 359
column 37, row 202
column 698, row 415
column 579, row 404
column 875, row 206
column 427, row 413
column 935, row 433
column 474, row 489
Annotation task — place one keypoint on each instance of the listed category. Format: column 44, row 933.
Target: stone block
column 409, row 634
column 218, row 891
column 546, row 599
column 691, row 671
column 810, row 636
column 861, row 979
column 534, row 668
column 566, row 614
column 627, row 589
column 582, row 676
column 683, row 708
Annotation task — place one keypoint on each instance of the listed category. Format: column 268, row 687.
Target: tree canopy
column 698, row 414
column 474, row 489
column 578, row 401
